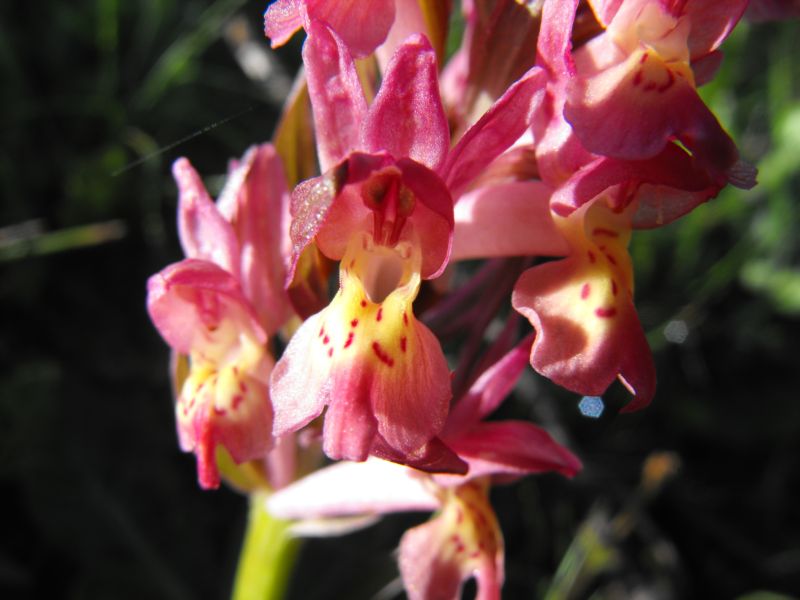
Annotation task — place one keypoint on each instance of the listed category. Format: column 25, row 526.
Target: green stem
column 267, row 557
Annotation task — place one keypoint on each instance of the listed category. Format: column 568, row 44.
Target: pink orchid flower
column 587, row 329
column 383, row 207
column 219, row 305
column 630, row 92
column 463, row 539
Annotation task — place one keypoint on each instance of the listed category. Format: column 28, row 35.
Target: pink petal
column 187, row 297
column 684, row 184
column 706, row 67
column 660, row 100
column 555, row 37
column 605, row 10
column 428, row 571
column 712, row 21
column 362, row 24
column 433, row 457
column 512, row 448
column 347, row 488
column 488, row 391
column 336, row 94
column 211, row 419
column 497, row 129
column 463, row 540
column 408, row 20
column 281, row 20
column 432, row 217
column 411, row 401
column 406, row 118
column 511, row 219
column 296, row 383
column 256, row 201
column 581, row 345
column 204, row 233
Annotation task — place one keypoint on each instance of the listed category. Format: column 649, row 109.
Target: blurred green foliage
column 100, row 503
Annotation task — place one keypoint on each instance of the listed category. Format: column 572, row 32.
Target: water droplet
column 591, row 406
column 676, row 331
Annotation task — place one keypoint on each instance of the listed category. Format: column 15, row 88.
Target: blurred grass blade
column 29, row 239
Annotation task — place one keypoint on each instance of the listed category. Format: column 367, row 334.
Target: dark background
column 98, row 501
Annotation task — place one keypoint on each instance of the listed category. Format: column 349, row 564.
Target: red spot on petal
column 242, row 387
column 605, row 313
column 354, row 322
column 585, row 291
column 405, row 319
column 614, row 287
column 237, row 400
column 650, row 86
column 611, row 259
column 330, row 352
column 220, row 412
column 403, row 343
column 349, row 340
column 637, row 79
column 667, row 84
column 326, row 339
column 592, row 258
column 363, row 303
column 352, row 263
column 322, row 331
column 382, row 356
column 604, row 231
column 459, row 516
column 379, row 316
column 644, row 58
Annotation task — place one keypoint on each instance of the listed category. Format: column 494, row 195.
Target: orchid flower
column 383, row 208
column 463, row 539
column 587, row 329
column 642, row 69
column 219, row 305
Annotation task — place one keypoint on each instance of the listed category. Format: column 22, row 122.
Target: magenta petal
column 661, row 101
column 432, row 217
column 347, row 488
column 511, row 219
column 712, row 21
column 512, row 448
column 187, row 297
column 497, row 129
column 406, row 118
column 553, row 48
column 427, row 571
column 204, row 233
column 689, row 184
column 488, row 391
column 281, row 20
column 350, row 425
column 434, row 457
column 336, row 94
column 362, row 24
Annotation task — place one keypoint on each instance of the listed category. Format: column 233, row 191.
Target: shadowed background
column 98, row 501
